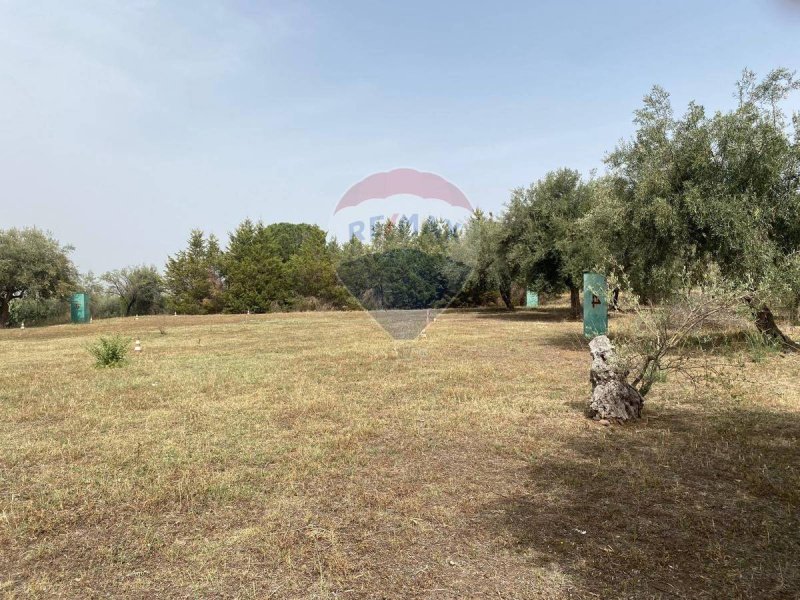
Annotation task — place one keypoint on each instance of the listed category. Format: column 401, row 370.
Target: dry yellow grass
column 310, row 456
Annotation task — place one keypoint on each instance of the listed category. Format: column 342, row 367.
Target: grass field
column 311, row 456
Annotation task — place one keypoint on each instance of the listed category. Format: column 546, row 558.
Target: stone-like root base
column 613, row 398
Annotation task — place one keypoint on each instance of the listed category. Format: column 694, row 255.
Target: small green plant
column 110, row 351
column 760, row 347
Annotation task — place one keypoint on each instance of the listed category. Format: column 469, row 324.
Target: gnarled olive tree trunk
column 575, row 302
column 613, row 398
column 505, row 294
column 765, row 323
column 5, row 312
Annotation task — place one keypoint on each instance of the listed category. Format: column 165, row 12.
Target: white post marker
column 22, row 326
column 137, row 346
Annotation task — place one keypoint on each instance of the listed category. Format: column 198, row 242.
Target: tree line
column 688, row 194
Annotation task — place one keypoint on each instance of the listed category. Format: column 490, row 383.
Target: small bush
column 110, row 351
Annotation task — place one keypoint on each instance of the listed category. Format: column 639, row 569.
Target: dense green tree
column 311, row 270
column 539, row 241
column 193, row 277
column 402, row 268
column 254, row 273
column 478, row 247
column 705, row 190
column 434, row 236
column 403, row 278
column 289, row 237
column 32, row 265
column 276, row 266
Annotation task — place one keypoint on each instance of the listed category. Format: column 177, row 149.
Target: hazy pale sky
column 123, row 125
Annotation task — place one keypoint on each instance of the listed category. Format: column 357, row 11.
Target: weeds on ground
column 760, row 348
column 110, row 351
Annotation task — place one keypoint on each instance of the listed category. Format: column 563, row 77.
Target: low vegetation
column 110, row 351
column 311, row 456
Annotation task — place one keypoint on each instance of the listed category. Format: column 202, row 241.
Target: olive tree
column 479, row 248
column 32, row 264
column 541, row 239
column 721, row 189
column 676, row 336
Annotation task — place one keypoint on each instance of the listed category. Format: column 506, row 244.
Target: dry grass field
column 311, row 456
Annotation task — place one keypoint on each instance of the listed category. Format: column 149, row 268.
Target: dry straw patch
column 310, row 456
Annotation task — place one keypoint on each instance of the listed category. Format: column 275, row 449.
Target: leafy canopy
column 32, row 264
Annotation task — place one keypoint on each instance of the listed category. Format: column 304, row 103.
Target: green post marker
column 595, row 305
column 532, row 299
column 79, row 308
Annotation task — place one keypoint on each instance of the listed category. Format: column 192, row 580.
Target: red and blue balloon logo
column 394, row 195
column 404, row 281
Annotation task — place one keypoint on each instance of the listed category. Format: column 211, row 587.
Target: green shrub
column 38, row 311
column 110, row 351
column 106, row 306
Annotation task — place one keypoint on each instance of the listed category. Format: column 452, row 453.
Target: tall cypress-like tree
column 193, row 277
column 276, row 266
column 255, row 277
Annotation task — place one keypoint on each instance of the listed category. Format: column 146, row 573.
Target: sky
column 125, row 125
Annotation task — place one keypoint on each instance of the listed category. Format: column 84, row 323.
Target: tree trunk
column 5, row 312
column 765, row 323
column 615, row 299
column 575, row 302
column 129, row 306
column 613, row 398
column 505, row 294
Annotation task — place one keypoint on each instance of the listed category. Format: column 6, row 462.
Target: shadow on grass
column 572, row 341
column 699, row 505
column 549, row 314
column 542, row 314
